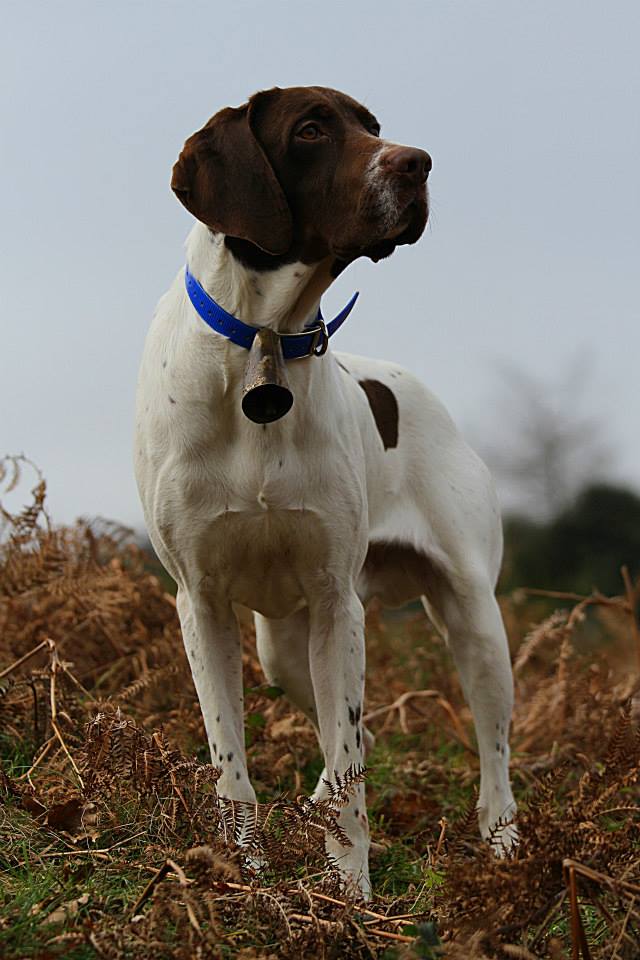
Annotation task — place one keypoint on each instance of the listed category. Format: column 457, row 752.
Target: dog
column 363, row 489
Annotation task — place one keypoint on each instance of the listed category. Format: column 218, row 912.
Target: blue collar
column 295, row 346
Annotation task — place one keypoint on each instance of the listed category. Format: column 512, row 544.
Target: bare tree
column 545, row 446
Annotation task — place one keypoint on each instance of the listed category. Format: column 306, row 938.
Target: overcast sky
column 530, row 111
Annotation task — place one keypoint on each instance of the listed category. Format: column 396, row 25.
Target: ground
column 115, row 844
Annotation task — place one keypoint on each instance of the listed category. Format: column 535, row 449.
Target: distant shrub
column 582, row 547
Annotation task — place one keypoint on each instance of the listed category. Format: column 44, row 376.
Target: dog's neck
column 284, row 299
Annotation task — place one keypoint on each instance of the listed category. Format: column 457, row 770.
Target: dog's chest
column 258, row 510
column 258, row 516
column 269, row 562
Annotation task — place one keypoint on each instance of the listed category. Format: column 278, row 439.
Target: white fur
column 382, row 189
column 278, row 518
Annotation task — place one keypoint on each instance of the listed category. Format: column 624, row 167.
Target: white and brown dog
column 364, row 489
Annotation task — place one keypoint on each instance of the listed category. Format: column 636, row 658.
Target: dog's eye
column 310, row 131
column 374, row 129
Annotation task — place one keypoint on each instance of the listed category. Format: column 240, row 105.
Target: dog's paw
column 255, row 863
column 352, row 864
column 503, row 838
column 498, row 827
column 356, row 887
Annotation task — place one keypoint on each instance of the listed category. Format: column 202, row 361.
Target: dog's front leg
column 337, row 666
column 212, row 643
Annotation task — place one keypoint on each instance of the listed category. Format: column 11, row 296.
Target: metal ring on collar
column 320, row 340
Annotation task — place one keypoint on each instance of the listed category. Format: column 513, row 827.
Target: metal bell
column 265, row 394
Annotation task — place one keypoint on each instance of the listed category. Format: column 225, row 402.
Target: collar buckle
column 320, row 340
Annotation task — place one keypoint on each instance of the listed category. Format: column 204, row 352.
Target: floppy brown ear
column 224, row 178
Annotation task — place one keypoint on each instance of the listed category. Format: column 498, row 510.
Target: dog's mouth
column 409, row 216
column 401, row 219
column 413, row 218
column 408, row 228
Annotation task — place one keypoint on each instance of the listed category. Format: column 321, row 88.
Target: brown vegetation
column 116, row 843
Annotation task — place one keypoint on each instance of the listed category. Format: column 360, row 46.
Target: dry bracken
column 97, row 701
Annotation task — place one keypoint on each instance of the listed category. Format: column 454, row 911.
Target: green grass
column 16, row 755
column 33, row 886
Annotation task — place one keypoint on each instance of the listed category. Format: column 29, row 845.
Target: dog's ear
column 224, row 178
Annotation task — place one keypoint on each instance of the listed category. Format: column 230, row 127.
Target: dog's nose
column 409, row 161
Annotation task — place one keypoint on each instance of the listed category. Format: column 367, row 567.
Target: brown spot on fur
column 384, row 408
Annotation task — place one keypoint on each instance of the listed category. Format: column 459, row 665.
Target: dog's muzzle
column 265, row 394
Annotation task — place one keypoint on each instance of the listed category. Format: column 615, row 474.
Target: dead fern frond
column 550, row 631
column 341, row 789
column 618, row 741
column 20, row 527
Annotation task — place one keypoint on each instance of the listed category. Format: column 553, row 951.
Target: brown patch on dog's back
column 384, row 408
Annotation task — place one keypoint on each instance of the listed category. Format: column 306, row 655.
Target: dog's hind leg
column 476, row 637
column 283, row 650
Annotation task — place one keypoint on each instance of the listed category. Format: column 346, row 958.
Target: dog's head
column 301, row 174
